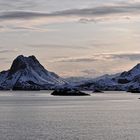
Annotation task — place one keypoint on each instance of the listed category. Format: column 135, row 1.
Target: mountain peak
column 24, row 58
column 22, row 62
column 33, row 57
column 27, row 73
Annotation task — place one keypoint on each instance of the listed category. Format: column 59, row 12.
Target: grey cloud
column 3, row 59
column 99, row 20
column 132, row 57
column 101, row 57
column 7, row 51
column 75, row 60
column 52, row 46
column 92, row 72
column 1, row 26
column 21, row 15
column 86, row 20
column 103, row 10
column 22, row 28
column 129, row 8
column 17, row 4
column 122, row 56
column 78, row 60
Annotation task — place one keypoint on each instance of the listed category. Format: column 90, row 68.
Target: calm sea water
column 40, row 116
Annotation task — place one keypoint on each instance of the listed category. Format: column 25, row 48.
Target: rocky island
column 68, row 92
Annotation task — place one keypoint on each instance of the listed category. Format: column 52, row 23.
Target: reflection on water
column 40, row 116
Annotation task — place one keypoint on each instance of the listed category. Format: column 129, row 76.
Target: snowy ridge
column 125, row 81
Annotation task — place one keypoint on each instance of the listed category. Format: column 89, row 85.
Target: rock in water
column 68, row 92
column 134, row 90
column 96, row 90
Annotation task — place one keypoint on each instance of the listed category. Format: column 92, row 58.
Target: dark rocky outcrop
column 96, row 90
column 68, row 92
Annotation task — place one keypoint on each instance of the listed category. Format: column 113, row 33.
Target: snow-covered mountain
column 129, row 76
column 97, row 83
column 26, row 73
column 128, row 80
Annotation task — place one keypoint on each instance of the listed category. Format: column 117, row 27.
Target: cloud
column 92, row 72
column 124, row 9
column 100, row 57
column 102, row 10
column 122, row 56
column 54, row 46
column 3, row 59
column 75, row 60
column 1, row 26
column 21, row 15
column 22, row 28
column 7, row 51
column 16, row 20
column 132, row 57
column 102, row 19
column 127, row 8
column 17, row 4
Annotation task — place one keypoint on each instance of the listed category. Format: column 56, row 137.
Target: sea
column 37, row 115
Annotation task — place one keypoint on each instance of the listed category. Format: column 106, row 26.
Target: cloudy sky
column 72, row 37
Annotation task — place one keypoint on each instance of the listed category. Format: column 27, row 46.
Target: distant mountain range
column 125, row 81
column 26, row 73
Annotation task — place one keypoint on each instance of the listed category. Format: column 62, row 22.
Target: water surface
column 40, row 116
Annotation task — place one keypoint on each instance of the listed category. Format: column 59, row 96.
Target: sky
column 82, row 38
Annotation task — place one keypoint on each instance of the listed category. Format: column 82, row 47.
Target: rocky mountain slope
column 26, row 73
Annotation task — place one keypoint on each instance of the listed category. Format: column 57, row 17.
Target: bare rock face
column 26, row 73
